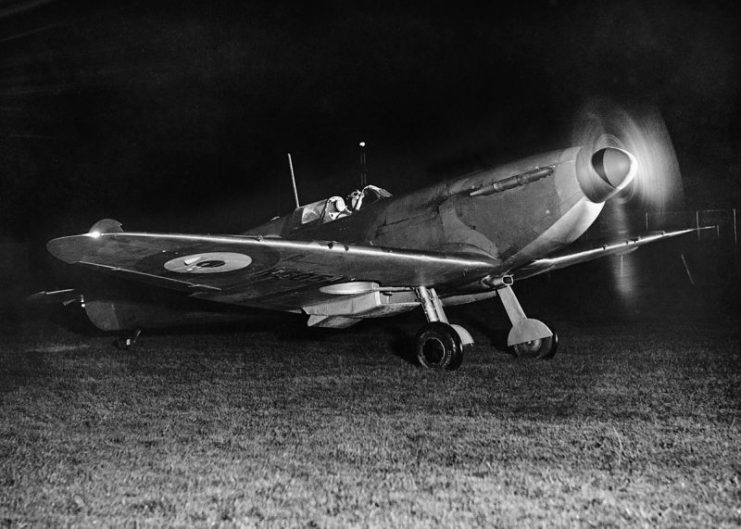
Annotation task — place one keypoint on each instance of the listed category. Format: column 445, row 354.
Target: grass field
column 627, row 426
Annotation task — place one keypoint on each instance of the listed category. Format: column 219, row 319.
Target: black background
column 177, row 115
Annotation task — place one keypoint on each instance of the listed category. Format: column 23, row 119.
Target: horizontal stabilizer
column 65, row 297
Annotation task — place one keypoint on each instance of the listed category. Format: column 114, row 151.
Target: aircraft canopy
column 336, row 207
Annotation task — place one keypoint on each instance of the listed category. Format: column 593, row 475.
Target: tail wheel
column 123, row 344
column 127, row 341
column 438, row 346
column 542, row 348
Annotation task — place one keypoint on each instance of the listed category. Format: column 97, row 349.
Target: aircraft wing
column 260, row 271
column 582, row 255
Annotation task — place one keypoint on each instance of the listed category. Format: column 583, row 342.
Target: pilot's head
column 336, row 205
column 356, row 199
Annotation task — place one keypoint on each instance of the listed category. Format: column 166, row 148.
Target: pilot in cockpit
column 356, row 200
column 367, row 195
column 335, row 209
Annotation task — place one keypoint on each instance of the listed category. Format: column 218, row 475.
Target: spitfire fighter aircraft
column 339, row 260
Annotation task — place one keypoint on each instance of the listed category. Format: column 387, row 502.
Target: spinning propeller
column 636, row 170
column 621, row 143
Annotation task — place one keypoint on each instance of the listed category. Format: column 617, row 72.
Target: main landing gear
column 439, row 345
column 528, row 337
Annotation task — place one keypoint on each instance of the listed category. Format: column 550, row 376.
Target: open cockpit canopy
column 336, row 207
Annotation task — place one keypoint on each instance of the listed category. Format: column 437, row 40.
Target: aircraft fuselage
column 493, row 221
column 512, row 213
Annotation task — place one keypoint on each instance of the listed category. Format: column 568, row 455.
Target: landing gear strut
column 439, row 345
column 127, row 341
column 528, row 337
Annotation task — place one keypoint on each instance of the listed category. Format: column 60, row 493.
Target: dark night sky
column 177, row 115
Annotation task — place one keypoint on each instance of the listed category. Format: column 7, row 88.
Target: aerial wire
column 363, row 166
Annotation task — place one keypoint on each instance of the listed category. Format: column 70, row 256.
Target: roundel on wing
column 208, row 263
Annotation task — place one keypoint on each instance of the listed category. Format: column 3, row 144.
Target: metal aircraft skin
column 374, row 255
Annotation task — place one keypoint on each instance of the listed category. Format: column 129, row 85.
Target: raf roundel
column 208, row 263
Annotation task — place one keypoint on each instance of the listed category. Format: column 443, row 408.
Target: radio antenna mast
column 363, row 166
column 293, row 181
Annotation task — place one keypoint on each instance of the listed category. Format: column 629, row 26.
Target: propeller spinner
column 609, row 171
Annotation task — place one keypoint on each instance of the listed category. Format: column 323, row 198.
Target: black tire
column 438, row 346
column 542, row 349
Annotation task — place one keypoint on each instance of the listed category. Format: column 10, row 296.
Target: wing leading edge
column 558, row 261
column 260, row 271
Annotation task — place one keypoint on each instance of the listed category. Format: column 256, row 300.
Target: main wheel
column 542, row 348
column 439, row 347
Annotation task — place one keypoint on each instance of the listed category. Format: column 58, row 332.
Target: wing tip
column 106, row 226
column 63, row 249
